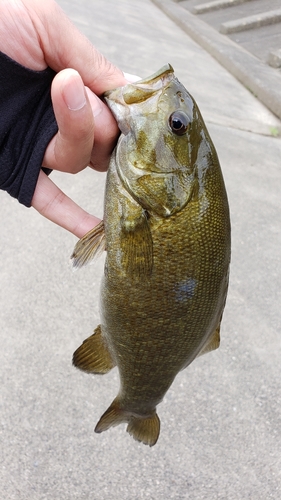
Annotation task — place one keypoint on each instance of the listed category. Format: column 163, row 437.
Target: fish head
column 162, row 137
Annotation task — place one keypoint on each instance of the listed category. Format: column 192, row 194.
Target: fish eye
column 179, row 122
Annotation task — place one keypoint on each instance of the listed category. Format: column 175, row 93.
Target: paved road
column 221, row 425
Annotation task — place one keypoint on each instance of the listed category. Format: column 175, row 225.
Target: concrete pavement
column 221, row 425
column 260, row 78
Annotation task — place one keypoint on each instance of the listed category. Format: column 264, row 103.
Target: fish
column 166, row 232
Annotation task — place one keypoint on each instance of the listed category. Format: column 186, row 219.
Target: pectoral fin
column 93, row 356
column 89, row 247
column 136, row 243
column 213, row 343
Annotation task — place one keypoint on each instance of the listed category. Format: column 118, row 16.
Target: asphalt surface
column 221, row 420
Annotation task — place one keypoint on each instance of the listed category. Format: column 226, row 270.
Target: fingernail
column 74, row 92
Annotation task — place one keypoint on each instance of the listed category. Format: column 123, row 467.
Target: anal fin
column 93, row 355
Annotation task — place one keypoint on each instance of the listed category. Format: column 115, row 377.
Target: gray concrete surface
column 255, row 38
column 243, row 54
column 221, row 420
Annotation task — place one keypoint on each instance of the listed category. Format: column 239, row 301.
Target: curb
column 263, row 81
column 249, row 22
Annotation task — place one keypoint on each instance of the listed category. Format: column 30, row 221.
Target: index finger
column 65, row 47
column 53, row 204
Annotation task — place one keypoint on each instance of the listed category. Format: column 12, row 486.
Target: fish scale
column 166, row 231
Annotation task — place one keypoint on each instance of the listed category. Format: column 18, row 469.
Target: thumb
column 70, row 149
column 78, row 111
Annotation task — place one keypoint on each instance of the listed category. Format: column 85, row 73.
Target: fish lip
column 158, row 75
column 140, row 91
column 143, row 92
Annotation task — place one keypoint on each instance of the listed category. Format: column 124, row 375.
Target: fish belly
column 156, row 325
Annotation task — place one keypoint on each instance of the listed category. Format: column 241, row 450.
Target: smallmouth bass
column 166, row 231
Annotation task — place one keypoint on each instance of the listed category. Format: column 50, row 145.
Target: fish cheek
column 166, row 194
column 180, row 148
column 146, row 148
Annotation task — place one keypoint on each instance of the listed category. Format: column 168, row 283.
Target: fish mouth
column 146, row 88
column 158, row 75
column 140, row 91
column 139, row 98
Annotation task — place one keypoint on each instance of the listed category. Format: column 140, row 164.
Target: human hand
column 38, row 34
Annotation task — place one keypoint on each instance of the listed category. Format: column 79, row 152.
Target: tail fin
column 143, row 429
column 113, row 416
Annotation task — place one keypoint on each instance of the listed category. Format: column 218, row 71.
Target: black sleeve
column 27, row 124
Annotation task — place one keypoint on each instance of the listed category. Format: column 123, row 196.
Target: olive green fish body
column 167, row 236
